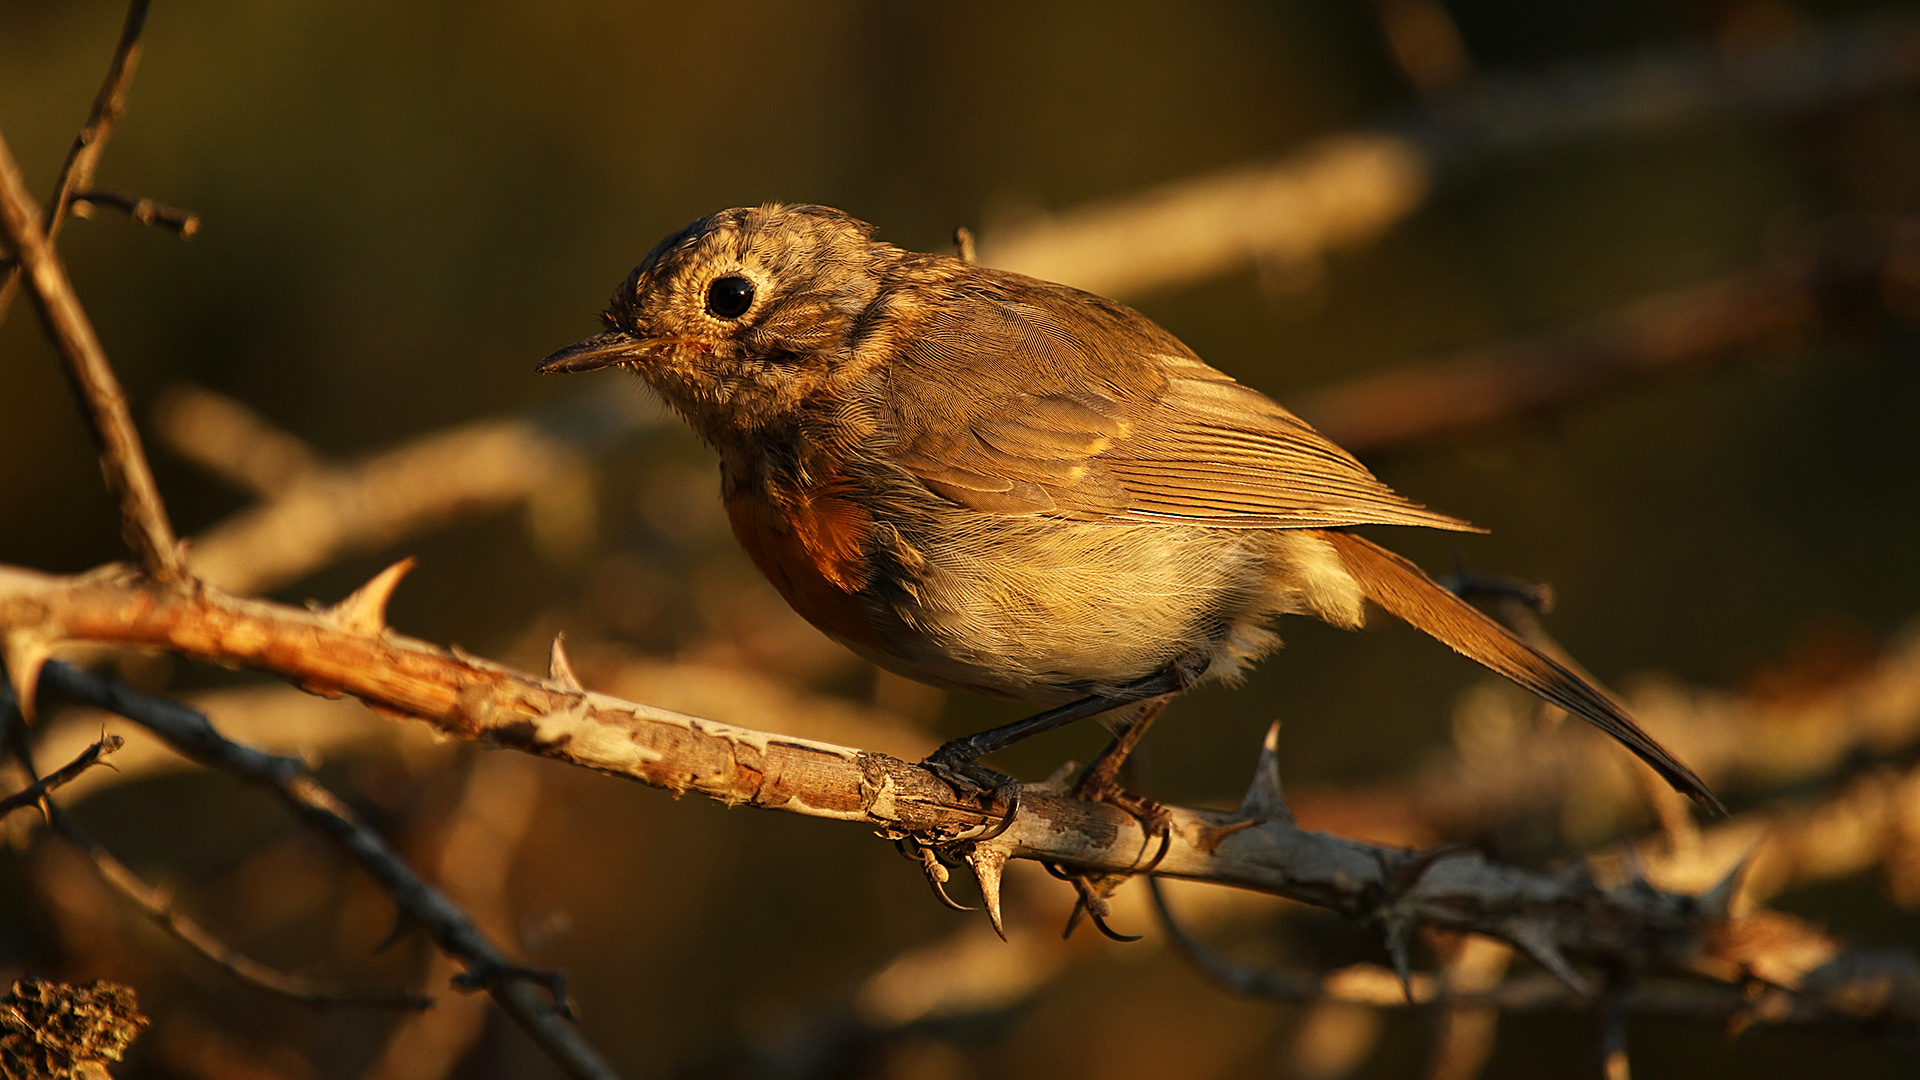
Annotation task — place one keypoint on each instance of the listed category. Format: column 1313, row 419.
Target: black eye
column 729, row 297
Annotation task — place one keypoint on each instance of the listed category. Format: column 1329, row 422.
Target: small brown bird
column 992, row 483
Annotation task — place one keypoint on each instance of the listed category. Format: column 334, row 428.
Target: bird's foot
column 995, row 792
column 1154, row 818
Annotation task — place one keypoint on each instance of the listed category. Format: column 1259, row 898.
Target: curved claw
column 1100, row 924
column 1166, row 844
column 937, row 877
column 1006, row 819
column 940, row 891
column 1089, row 903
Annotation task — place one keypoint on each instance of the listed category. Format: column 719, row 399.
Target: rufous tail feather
column 1405, row 591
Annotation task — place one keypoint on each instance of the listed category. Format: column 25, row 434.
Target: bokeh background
column 406, row 206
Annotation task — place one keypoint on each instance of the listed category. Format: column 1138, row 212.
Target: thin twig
column 192, row 734
column 1688, row 328
column 41, row 788
column 1347, row 189
column 158, row 907
column 141, row 210
column 1376, row 986
column 143, row 517
column 84, row 156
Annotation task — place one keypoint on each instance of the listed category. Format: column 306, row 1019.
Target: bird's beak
column 598, row 351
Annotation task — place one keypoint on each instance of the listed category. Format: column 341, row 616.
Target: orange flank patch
column 812, row 547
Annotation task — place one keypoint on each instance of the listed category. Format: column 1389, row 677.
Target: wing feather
column 1101, row 414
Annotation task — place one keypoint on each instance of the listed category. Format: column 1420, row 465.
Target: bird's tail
column 1401, row 588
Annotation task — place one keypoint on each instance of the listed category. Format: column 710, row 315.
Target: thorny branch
column 37, row 791
column 1555, row 919
column 1823, row 999
column 158, row 906
column 108, row 106
column 143, row 517
column 487, row 967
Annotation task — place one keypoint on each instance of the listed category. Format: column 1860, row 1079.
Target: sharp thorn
column 1264, row 800
column 1717, row 902
column 27, row 652
column 1399, row 936
column 987, row 863
column 1534, row 940
column 559, row 668
column 1636, row 870
column 365, row 612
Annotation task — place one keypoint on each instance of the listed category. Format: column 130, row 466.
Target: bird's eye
column 729, row 297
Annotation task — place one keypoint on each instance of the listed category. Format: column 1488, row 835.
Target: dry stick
column 157, row 906
column 193, row 735
column 1693, row 326
column 481, row 841
column 140, row 210
column 108, row 106
column 143, row 517
column 1681, row 999
column 39, row 789
column 346, row 649
column 1349, row 188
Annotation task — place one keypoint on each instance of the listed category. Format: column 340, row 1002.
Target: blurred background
column 1634, row 285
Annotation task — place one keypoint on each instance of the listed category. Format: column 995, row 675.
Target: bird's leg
column 955, row 761
column 1100, row 781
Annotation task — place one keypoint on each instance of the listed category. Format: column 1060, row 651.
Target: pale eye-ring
column 729, row 297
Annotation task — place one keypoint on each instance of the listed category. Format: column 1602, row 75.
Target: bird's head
column 741, row 316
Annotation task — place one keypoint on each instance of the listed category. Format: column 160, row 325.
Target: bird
column 996, row 484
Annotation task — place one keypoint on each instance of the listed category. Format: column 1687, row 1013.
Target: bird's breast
column 810, row 542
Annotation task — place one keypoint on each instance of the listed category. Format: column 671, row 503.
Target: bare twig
column 37, row 791
column 143, row 517
column 193, row 734
column 1691, row 327
column 481, row 841
column 140, row 210
column 1347, row 189
column 314, row 512
column 1755, row 741
column 232, row 441
column 1344, row 190
column 108, row 106
column 1844, row 988
column 158, row 907
column 1552, row 918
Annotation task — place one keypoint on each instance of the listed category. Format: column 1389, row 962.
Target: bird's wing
column 1037, row 399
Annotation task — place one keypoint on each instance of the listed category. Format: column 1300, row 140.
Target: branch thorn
column 987, row 862
column 27, row 652
column 1398, row 932
column 1717, row 902
column 559, row 668
column 365, row 612
column 1534, row 940
column 1264, row 801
